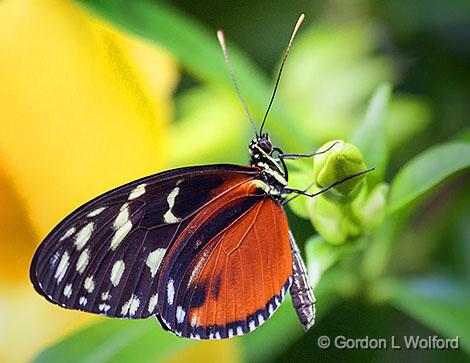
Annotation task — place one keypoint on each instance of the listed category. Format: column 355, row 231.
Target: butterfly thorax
column 273, row 170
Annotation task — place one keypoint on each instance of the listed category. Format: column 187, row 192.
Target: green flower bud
column 371, row 207
column 349, row 210
column 341, row 222
column 341, row 161
column 336, row 223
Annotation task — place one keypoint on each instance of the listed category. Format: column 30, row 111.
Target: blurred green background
column 97, row 93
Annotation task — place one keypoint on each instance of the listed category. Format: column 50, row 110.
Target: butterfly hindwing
column 229, row 269
column 104, row 258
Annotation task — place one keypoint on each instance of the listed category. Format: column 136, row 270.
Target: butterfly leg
column 304, row 192
column 308, row 155
column 298, row 191
column 300, row 290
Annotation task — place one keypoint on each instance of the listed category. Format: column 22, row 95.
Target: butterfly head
column 265, row 144
column 260, row 146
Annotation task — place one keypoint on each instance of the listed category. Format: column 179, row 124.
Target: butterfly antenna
column 220, row 37
column 297, row 26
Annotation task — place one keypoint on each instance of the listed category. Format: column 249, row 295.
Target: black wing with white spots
column 104, row 258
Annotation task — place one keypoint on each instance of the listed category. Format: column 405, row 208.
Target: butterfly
column 205, row 249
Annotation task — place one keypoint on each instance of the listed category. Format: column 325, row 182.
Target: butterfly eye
column 265, row 145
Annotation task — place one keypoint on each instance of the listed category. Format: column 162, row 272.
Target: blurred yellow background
column 83, row 108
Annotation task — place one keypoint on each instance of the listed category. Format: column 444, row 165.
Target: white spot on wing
column 120, row 234
column 125, row 307
column 67, row 234
column 230, row 333
column 104, row 307
column 270, row 309
column 83, row 236
column 122, row 217
column 260, row 319
column 83, row 300
column 62, row 267
column 252, row 325
column 217, row 335
column 239, row 330
column 131, row 306
column 68, row 290
column 154, row 259
column 105, row 295
column 169, row 217
column 89, row 284
column 170, row 291
column 152, row 303
column 96, row 212
column 180, row 314
column 83, row 261
column 117, row 271
column 54, row 258
column 137, row 191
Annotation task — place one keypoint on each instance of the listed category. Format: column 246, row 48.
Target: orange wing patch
column 247, row 269
column 230, row 269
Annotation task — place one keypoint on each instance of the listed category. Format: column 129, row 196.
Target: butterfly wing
column 229, row 268
column 104, row 257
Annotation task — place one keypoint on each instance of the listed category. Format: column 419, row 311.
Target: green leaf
column 377, row 256
column 440, row 303
column 198, row 51
column 407, row 116
column 464, row 135
column 115, row 341
column 370, row 136
column 426, row 170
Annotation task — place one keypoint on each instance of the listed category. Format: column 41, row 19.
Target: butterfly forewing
column 228, row 270
column 104, row 258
